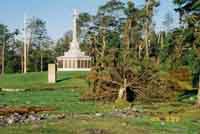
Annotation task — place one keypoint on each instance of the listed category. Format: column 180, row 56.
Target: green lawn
column 39, row 81
column 64, row 97
column 60, row 100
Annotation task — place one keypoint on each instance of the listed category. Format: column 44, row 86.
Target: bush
column 121, row 103
column 181, row 73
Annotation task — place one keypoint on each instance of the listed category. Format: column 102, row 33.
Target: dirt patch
column 9, row 116
column 24, row 110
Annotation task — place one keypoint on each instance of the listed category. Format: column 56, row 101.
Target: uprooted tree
column 118, row 47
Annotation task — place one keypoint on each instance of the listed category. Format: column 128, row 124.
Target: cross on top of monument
column 76, row 13
column 74, row 49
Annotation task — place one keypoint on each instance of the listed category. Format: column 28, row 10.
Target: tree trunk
column 27, row 51
column 147, row 30
column 140, row 52
column 3, row 55
column 3, row 58
column 158, row 60
column 41, row 62
column 103, row 51
column 22, row 61
column 198, row 94
column 25, row 46
column 162, row 40
column 122, row 90
column 146, row 40
column 198, row 98
column 25, row 58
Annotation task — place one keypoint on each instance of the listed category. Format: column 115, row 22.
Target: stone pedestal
column 52, row 73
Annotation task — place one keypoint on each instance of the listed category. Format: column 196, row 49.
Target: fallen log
column 24, row 110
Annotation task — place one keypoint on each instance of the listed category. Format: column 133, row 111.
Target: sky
column 58, row 13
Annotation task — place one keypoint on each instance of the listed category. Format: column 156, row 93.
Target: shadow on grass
column 187, row 94
column 63, row 79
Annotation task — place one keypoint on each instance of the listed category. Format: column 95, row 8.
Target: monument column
column 76, row 63
column 75, row 26
column 67, row 63
column 87, row 66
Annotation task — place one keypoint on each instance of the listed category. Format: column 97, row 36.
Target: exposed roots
column 140, row 86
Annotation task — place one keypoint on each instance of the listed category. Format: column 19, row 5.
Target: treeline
column 41, row 49
column 129, row 55
column 119, row 25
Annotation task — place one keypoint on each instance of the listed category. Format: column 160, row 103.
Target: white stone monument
column 52, row 73
column 74, row 59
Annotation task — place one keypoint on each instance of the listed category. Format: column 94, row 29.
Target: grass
column 60, row 100
column 67, row 101
column 64, row 96
column 111, row 125
column 39, row 81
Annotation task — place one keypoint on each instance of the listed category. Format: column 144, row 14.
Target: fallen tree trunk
column 24, row 110
column 122, row 90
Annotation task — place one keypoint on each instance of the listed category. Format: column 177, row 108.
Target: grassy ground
column 109, row 125
column 83, row 124
column 39, row 81
column 66, row 99
column 60, row 100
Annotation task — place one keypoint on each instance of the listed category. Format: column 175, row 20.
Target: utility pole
column 3, row 53
column 25, row 46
